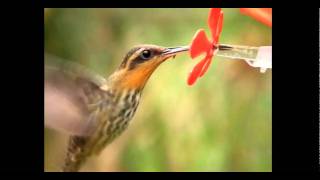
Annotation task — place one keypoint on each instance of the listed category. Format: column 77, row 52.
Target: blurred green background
column 222, row 123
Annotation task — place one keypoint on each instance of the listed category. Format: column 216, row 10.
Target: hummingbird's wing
column 68, row 87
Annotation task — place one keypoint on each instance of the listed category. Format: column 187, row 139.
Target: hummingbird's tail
column 75, row 156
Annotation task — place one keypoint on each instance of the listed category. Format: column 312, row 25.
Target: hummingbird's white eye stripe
column 128, row 57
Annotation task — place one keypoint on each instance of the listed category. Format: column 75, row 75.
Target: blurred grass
column 222, row 123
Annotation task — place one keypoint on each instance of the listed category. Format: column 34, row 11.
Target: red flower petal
column 213, row 19
column 193, row 76
column 199, row 44
column 264, row 15
column 219, row 29
column 206, row 66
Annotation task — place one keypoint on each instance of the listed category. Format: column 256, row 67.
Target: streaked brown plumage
column 99, row 110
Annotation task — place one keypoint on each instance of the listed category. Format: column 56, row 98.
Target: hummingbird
column 95, row 110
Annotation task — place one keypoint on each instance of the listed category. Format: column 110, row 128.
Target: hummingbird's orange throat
column 133, row 79
column 137, row 77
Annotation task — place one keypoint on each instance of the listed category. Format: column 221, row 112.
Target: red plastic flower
column 201, row 44
column 264, row 15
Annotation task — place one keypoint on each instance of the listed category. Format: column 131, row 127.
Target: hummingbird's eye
column 146, row 54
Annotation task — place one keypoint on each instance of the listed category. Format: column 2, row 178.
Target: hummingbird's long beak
column 172, row 51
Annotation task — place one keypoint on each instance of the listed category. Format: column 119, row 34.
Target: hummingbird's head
column 140, row 62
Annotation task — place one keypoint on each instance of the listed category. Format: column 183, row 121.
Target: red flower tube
column 263, row 15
